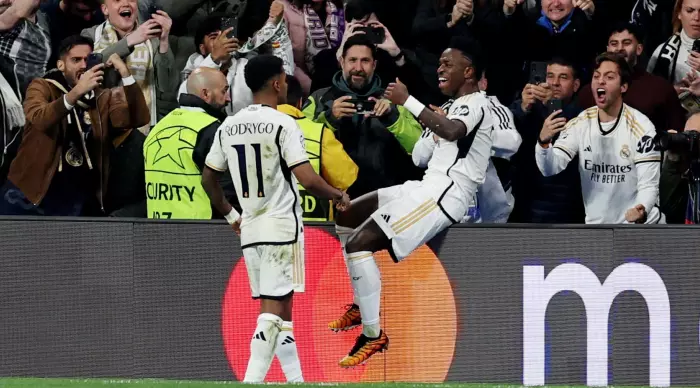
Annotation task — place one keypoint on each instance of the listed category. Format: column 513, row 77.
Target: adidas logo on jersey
column 588, row 149
column 260, row 336
column 386, row 217
column 288, row 340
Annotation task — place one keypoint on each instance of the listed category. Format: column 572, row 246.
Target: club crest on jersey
column 461, row 111
column 625, row 151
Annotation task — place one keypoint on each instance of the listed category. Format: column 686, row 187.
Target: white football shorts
column 274, row 271
column 413, row 213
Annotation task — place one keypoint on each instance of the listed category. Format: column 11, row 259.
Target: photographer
column 678, row 171
column 377, row 135
column 540, row 199
column 63, row 161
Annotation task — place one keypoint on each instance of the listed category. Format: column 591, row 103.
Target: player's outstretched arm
column 450, row 130
column 318, row 187
column 210, row 182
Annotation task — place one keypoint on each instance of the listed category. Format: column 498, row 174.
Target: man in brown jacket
column 62, row 165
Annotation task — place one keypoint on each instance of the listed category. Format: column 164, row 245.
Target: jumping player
column 264, row 151
column 402, row 218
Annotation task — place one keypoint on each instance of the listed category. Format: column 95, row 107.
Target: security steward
column 176, row 148
column 326, row 155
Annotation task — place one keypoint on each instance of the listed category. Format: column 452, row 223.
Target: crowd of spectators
column 151, row 48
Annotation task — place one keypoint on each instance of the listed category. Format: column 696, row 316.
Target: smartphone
column 538, row 73
column 554, row 105
column 696, row 46
column 93, row 60
column 363, row 106
column 230, row 22
column 376, row 35
column 152, row 9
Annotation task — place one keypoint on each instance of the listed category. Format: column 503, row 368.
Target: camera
column 681, row 143
column 363, row 106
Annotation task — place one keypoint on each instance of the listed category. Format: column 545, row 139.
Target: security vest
column 173, row 181
column 314, row 209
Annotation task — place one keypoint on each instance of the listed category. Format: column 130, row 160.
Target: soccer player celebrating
column 264, row 151
column 402, row 218
column 619, row 163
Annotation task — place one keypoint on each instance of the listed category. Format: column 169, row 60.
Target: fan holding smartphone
column 364, row 21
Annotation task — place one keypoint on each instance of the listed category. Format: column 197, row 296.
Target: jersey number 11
column 243, row 167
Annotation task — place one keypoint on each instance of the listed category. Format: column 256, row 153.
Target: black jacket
column 539, row 199
column 579, row 42
column 381, row 159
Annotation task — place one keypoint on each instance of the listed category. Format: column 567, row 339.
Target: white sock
column 343, row 235
column 287, row 354
column 262, row 347
column 367, row 283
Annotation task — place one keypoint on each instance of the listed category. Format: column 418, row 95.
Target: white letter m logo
column 597, row 299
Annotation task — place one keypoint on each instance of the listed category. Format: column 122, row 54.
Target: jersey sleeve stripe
column 299, row 163
column 567, row 151
column 360, row 257
column 648, row 160
column 215, row 168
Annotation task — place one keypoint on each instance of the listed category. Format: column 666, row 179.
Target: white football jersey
column 464, row 161
column 259, row 146
column 493, row 203
column 506, row 139
column 619, row 164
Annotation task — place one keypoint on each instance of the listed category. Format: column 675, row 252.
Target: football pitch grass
column 144, row 383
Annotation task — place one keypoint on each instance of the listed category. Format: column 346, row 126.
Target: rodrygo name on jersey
column 259, row 146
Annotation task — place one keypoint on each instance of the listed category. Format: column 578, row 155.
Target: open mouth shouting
column 127, row 14
column 601, row 95
column 442, row 82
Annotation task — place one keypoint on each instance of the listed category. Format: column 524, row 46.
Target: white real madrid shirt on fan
column 619, row 164
column 259, row 146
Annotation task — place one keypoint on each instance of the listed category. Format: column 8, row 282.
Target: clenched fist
column 509, row 6
column 397, row 92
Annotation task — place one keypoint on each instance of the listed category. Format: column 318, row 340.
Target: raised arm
column 552, row 160
column 447, row 129
column 16, row 11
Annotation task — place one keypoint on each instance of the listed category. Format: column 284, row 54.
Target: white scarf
column 140, row 64
column 278, row 36
column 13, row 107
